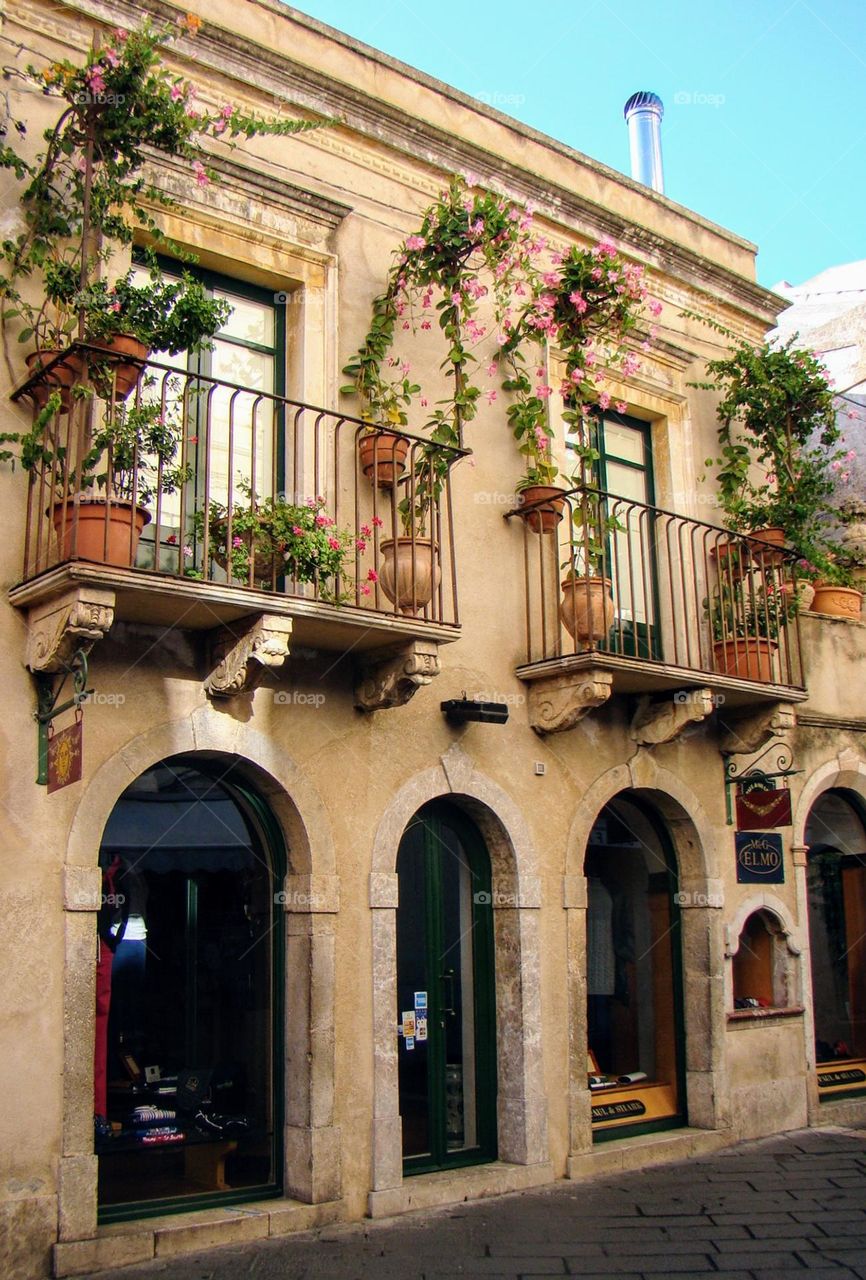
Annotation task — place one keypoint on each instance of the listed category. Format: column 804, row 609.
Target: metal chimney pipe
column 643, row 113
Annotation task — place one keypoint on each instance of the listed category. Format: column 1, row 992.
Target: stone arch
column 847, row 771
column 521, row 1107
column 311, row 1141
column 786, row 947
column 696, row 843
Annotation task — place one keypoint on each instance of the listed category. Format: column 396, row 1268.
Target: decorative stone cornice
column 391, row 679
column 747, row 733
column 557, row 703
column 240, row 660
column 66, row 623
column 658, row 722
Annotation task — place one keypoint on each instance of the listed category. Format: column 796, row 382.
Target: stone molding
column 557, row 703
column 747, row 733
column 65, row 624
column 240, row 662
column 390, row 680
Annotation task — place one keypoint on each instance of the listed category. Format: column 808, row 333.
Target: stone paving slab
column 776, row 1209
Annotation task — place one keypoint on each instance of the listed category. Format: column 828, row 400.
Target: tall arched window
column 187, row 1100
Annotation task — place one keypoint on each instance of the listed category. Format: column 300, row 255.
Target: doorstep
column 846, row 1113
column 453, row 1186
column 621, row 1154
column 124, row 1243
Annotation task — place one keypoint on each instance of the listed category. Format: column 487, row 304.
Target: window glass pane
column 623, row 442
column 250, row 321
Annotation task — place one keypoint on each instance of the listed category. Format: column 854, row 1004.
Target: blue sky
column 764, row 129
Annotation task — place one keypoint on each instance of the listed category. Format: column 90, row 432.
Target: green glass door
column 445, row 996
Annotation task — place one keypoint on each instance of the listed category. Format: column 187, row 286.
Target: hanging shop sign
column 758, row 809
column 64, row 756
column 759, row 857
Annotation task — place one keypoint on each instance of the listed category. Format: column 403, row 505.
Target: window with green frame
column 248, row 352
column 624, row 470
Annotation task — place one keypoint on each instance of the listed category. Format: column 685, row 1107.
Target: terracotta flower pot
column 61, row 378
column 127, row 372
column 842, row 602
column 545, row 518
column 732, row 558
column 383, row 454
column 749, row 658
column 410, row 572
column 124, row 521
column 766, row 544
column 587, row 608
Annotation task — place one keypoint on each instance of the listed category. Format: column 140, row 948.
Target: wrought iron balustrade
column 610, row 575
column 238, row 449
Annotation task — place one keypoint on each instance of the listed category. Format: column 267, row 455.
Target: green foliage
column 166, row 315
column 742, row 607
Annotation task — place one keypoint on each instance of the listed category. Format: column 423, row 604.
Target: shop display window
column 762, row 969
column 632, row 971
column 184, row 1097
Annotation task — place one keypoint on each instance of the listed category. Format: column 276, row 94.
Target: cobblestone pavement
column 786, row 1206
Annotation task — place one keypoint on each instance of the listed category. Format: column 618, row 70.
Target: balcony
column 262, row 524
column 625, row 598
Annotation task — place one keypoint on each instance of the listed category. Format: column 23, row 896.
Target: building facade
column 374, row 956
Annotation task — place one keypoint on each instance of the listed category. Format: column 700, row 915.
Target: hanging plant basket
column 544, row 518
column 62, row 377
column 382, row 455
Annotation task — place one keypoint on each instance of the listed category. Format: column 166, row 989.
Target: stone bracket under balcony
column 659, row 721
column 745, row 734
column 241, row 657
column 557, row 702
column 391, row 679
column 66, row 623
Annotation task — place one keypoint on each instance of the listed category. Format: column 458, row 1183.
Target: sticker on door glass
column 421, row 1027
column 420, row 1000
column 410, row 1042
column 408, row 1024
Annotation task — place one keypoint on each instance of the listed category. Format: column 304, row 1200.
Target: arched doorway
column 445, row 993
column 187, row 1086
column 836, row 891
column 633, row 973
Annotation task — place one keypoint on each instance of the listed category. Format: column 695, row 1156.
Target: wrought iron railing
column 612, row 575
column 239, row 449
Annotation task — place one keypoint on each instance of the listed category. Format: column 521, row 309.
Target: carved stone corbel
column 748, row 733
column 557, row 703
column 391, row 679
column 658, row 722
column 240, row 660
column 65, row 624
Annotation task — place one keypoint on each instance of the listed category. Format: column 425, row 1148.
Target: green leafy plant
column 778, row 464
column 165, row 315
column 134, row 452
column 741, row 608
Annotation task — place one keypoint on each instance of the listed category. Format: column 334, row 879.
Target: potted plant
column 587, row 607
column 835, row 592
column 410, row 568
column 129, row 320
column 98, row 504
column 745, row 618
column 778, row 431
column 259, row 540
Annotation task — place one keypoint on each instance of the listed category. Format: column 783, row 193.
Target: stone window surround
column 516, row 888
column 312, row 1141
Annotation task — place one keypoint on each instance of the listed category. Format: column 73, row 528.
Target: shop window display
column 762, row 977
column 836, row 883
column 184, row 1099
column 632, row 972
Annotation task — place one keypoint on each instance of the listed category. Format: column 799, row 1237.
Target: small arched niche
column 763, row 970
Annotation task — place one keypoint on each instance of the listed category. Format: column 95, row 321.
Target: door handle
column 448, row 1002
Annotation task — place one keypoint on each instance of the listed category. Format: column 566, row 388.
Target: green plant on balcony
column 86, row 197
column 779, row 464
column 741, row 608
column 263, row 539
